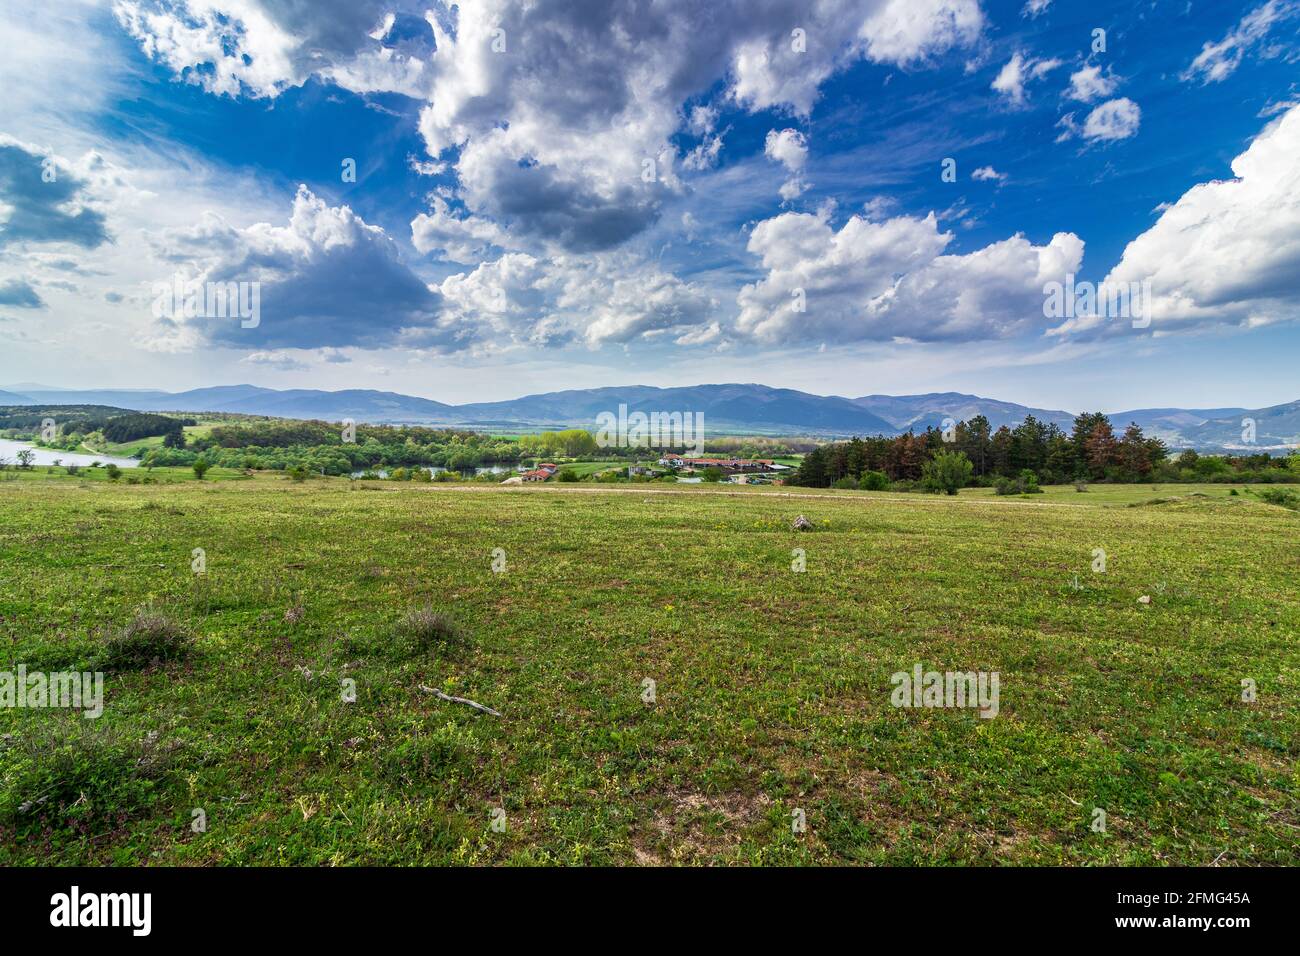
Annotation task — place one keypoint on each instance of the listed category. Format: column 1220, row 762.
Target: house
column 729, row 465
column 541, row 474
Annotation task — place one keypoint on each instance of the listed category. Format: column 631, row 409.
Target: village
column 690, row 470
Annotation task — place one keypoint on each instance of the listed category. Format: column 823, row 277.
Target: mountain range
column 727, row 409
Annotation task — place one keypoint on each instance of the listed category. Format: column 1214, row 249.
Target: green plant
column 200, row 467
column 150, row 636
column 947, row 472
column 426, row 627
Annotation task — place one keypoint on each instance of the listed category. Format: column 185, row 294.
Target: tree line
column 1033, row 452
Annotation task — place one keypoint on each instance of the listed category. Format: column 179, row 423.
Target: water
column 45, row 456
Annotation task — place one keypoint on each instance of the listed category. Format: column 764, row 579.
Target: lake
column 45, row 456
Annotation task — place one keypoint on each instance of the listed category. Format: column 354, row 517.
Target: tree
column 113, row 472
column 26, row 457
column 712, row 473
column 947, row 472
column 200, row 467
column 174, row 438
column 1134, row 453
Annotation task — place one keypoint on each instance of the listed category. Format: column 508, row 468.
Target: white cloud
column 1033, row 8
column 460, row 239
column 987, row 174
column 327, row 278
column 1113, row 120
column 877, row 281
column 1090, row 83
column 1218, row 61
column 522, row 300
column 559, row 117
column 1228, row 251
column 1018, row 72
column 259, row 49
column 788, row 147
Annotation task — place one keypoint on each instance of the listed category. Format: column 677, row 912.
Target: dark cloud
column 40, row 211
column 19, row 294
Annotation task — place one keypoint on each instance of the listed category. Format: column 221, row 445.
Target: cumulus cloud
column 259, row 48
column 1218, row 61
column 326, row 279
column 1090, row 83
column 608, row 298
column 1228, row 251
column 877, row 281
column 558, row 117
column 985, row 174
column 1111, row 121
column 459, row 238
column 1019, row 71
column 788, row 147
column 1115, row 119
column 44, row 198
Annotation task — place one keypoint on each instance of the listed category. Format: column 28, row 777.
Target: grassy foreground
column 772, row 687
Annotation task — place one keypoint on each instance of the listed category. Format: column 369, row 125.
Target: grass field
column 772, row 687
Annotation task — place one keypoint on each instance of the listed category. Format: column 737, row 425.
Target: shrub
column 845, row 483
column 150, row 636
column 946, row 472
column 297, row 472
column 200, row 466
column 1029, row 483
column 1283, row 497
column 75, row 774
column 567, row 474
column 874, row 481
column 426, row 627
column 1080, row 486
column 113, row 472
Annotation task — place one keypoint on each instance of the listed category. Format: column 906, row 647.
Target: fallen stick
column 459, row 700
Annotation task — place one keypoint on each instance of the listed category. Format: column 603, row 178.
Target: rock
column 802, row 524
column 1145, row 599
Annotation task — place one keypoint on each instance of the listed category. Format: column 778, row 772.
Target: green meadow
column 280, row 707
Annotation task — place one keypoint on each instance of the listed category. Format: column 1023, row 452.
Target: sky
column 477, row 202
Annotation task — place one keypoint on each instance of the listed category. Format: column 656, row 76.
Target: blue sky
column 565, row 195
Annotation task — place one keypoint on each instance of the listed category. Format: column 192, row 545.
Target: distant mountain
column 735, row 408
column 1275, row 427
column 754, row 406
column 920, row 411
column 361, row 404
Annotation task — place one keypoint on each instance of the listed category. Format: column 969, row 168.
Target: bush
column 113, row 472
column 297, row 472
column 846, row 483
column 149, row 637
column 947, row 472
column 425, row 627
column 1283, row 497
column 1025, row 484
column 200, row 466
column 874, row 481
column 1080, row 486
column 75, row 774
column 567, row 474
